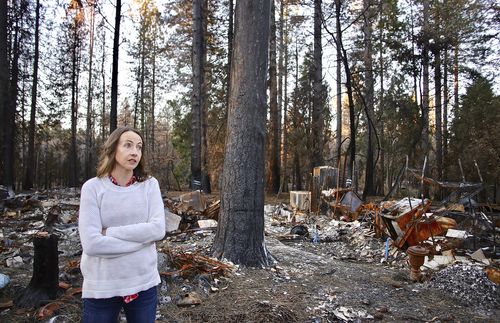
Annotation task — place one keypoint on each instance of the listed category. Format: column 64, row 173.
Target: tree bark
column 73, row 159
column 445, row 112
column 113, row 114
column 425, row 81
column 198, row 104
column 438, row 113
column 370, row 172
column 318, row 121
column 10, row 114
column 230, row 33
column 381, row 172
column 339, row 84
column 89, row 133
column 29, row 176
column 240, row 233
column 275, row 124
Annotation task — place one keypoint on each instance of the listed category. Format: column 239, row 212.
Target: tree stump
column 44, row 283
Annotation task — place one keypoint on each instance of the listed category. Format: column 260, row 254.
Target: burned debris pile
column 453, row 243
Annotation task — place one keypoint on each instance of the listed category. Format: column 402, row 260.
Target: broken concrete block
column 479, row 256
column 207, row 223
column 458, row 234
column 14, row 262
column 172, row 221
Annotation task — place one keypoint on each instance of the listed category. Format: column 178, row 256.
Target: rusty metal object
column 416, row 257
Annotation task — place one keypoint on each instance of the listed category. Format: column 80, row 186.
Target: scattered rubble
column 469, row 284
column 311, row 248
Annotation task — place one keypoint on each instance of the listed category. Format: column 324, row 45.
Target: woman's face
column 129, row 151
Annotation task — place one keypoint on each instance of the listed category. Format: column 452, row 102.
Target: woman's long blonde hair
column 107, row 159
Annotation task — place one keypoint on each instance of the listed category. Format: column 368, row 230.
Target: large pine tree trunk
column 339, row 85
column 438, row 113
column 445, row 112
column 370, row 173
column 4, row 85
column 29, row 176
column 240, row 233
column 284, row 49
column 198, row 114
column 89, row 134
column 274, row 156
column 10, row 114
column 425, row 82
column 44, row 283
column 113, row 114
column 381, row 164
column 74, row 109
column 318, row 123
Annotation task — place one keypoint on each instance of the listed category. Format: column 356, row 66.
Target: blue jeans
column 106, row 310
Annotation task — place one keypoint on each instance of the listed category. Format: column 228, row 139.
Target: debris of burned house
column 184, row 212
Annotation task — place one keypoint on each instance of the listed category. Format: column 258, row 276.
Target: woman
column 121, row 217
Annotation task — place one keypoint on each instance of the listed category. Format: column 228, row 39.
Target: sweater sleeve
column 146, row 232
column 90, row 229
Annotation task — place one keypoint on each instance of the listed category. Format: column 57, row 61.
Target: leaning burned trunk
column 44, row 283
column 240, row 233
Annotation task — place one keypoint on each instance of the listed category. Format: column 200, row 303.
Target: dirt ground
column 310, row 282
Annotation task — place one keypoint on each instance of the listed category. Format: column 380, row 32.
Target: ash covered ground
column 337, row 272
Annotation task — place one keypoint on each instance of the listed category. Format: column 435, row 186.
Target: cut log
column 44, row 283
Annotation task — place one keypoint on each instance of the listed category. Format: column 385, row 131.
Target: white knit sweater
column 124, row 261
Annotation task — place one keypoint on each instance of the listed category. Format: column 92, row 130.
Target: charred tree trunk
column 113, row 114
column 339, row 85
column 229, row 52
column 240, row 233
column 90, row 132
column 318, row 121
column 10, row 115
column 370, row 172
column 44, row 283
column 29, row 176
column 284, row 75
column 381, row 165
column 438, row 113
column 198, row 104
column 274, row 120
column 425, row 82
column 73, row 176
column 445, row 112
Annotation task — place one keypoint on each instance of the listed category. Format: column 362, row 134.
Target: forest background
column 360, row 85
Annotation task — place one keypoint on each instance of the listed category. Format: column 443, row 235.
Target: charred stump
column 44, row 283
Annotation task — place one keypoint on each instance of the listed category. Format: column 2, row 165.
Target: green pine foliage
column 475, row 132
